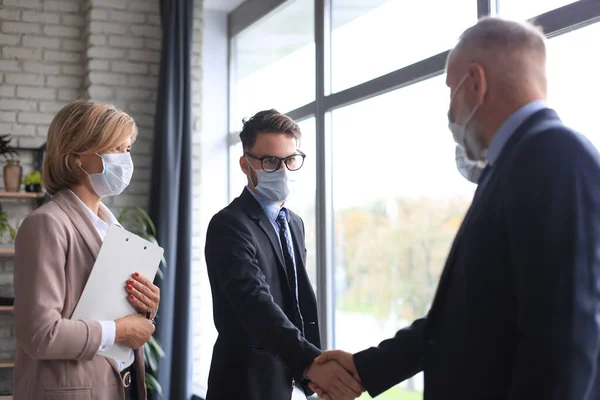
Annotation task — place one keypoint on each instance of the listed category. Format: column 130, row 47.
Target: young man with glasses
column 264, row 306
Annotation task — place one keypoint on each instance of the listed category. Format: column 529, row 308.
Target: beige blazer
column 55, row 250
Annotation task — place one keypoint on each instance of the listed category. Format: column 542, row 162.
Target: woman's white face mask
column 115, row 176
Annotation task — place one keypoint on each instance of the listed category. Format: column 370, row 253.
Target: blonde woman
column 87, row 158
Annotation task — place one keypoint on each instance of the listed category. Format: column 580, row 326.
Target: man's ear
column 478, row 76
column 244, row 165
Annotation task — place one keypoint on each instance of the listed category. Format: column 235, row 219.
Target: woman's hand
column 133, row 331
column 143, row 294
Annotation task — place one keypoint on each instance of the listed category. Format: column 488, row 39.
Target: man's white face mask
column 465, row 135
column 275, row 186
column 470, row 170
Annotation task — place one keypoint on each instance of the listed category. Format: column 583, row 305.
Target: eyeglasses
column 272, row 163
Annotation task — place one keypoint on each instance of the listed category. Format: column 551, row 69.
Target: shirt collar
column 103, row 210
column 508, row 128
column 270, row 208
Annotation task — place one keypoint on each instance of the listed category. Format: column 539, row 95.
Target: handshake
column 333, row 376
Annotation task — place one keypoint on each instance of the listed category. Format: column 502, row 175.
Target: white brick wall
column 56, row 51
column 41, row 48
column 118, row 61
column 210, row 157
column 41, row 52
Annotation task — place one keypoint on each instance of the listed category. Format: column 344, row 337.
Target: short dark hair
column 267, row 121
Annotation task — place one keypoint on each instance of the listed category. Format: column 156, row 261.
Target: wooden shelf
column 7, row 364
column 5, row 397
column 7, row 251
column 21, row 195
column 6, row 308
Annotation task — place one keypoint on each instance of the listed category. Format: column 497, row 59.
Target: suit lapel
column 268, row 229
column 306, row 294
column 76, row 212
column 504, row 158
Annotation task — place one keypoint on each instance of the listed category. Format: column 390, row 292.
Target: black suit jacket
column 517, row 312
column 259, row 350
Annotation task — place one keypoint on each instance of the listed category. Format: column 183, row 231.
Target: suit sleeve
column 552, row 202
column 393, row 361
column 40, row 286
column 230, row 257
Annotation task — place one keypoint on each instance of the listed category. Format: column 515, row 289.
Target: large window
column 364, row 40
column 274, row 62
column 380, row 196
column 303, row 200
column 573, row 81
column 398, row 201
column 524, row 9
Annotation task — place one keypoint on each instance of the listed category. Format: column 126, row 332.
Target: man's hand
column 333, row 380
column 346, row 360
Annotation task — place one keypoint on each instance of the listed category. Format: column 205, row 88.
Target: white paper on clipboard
column 104, row 297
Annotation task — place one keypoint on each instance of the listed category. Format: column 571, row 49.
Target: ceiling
column 222, row 5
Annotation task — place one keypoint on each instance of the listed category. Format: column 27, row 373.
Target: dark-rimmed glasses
column 272, row 163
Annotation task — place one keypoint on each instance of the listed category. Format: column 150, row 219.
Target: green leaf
column 152, row 384
column 123, row 215
column 156, row 346
column 151, row 358
column 147, row 219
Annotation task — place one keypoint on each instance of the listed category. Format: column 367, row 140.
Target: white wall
column 210, row 166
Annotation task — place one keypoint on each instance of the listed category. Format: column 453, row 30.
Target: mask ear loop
column 253, row 169
column 458, row 87
column 78, row 163
column 84, row 171
column 103, row 166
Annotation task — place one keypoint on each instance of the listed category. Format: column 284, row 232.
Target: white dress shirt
column 109, row 328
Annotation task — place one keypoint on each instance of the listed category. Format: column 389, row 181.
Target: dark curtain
column 170, row 196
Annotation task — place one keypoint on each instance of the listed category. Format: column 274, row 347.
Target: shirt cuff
column 109, row 331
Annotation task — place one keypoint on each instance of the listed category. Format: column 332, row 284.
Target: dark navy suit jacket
column 516, row 315
column 259, row 351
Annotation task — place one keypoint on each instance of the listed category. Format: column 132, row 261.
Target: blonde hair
column 82, row 127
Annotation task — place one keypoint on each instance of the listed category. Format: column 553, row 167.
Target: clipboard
column 104, row 297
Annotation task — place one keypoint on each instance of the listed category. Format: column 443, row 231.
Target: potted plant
column 136, row 220
column 5, row 226
column 12, row 169
column 33, row 182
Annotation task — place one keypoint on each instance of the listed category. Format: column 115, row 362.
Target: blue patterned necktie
column 290, row 265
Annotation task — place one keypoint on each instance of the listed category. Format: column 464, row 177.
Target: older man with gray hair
column 516, row 315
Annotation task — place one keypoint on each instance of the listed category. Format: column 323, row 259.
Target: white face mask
column 275, row 186
column 466, row 137
column 115, row 176
column 470, row 170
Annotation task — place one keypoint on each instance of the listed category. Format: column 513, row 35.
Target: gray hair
column 515, row 49
column 499, row 34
